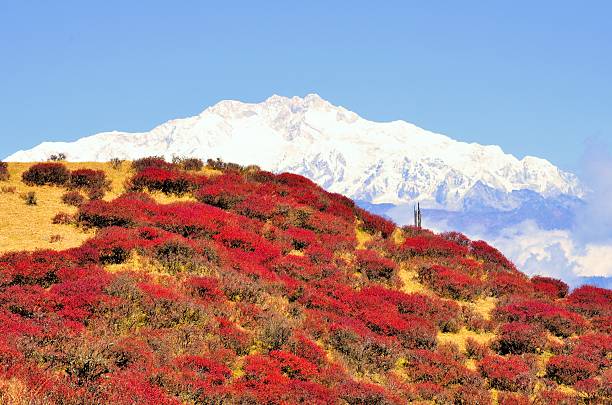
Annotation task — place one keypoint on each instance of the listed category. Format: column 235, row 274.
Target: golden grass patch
column 29, row 227
column 410, row 282
column 460, row 337
column 362, row 237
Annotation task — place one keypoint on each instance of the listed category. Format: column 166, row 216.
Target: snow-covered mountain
column 378, row 162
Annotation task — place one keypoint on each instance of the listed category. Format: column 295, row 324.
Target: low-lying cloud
column 573, row 254
column 576, row 255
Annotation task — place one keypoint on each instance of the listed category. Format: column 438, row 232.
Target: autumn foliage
column 253, row 288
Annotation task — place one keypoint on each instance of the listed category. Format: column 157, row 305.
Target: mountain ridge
column 380, row 162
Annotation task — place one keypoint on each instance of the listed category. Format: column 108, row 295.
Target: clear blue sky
column 532, row 76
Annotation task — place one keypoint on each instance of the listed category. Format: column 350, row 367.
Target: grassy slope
column 24, row 227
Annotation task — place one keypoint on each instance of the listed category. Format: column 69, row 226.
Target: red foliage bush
column 224, row 191
column 167, row 181
column 556, row 319
column 550, row 287
column 363, row 393
column 155, row 162
column 449, row 282
column 88, row 179
column 591, row 301
column 569, row 369
column 192, row 164
column 509, row 374
column 510, row 398
column 206, row 288
column 594, row 348
column 503, row 283
column 301, row 238
column 62, row 218
column 274, row 273
column 468, row 394
column 519, row 338
column 374, row 224
column 73, row 198
column 474, row 349
column 435, row 367
column 490, row 255
column 40, row 174
column 430, row 245
column 373, row 266
column 39, row 267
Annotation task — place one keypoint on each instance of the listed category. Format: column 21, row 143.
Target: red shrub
column 126, row 388
column 450, row 283
column 256, row 248
column 474, row 349
column 444, row 313
column 363, row 393
column 40, row 174
column 88, row 179
column 39, row 267
column 73, row 198
column 504, row 283
column 509, row 398
column 166, row 181
column 594, row 348
column 557, row 320
column 192, row 164
column 373, row 266
column 374, row 224
column 224, row 191
column 206, row 288
column 302, row 346
column 62, row 218
column 510, row 374
column 456, row 237
column 435, row 367
column 519, row 338
column 201, row 369
column 569, row 369
column 490, row 255
column 591, row 301
column 301, row 238
column 430, row 245
column 550, row 287
column 156, row 162
column 468, row 394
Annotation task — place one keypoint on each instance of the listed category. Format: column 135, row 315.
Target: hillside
column 170, row 283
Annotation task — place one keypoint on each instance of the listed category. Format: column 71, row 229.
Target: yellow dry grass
column 362, row 238
column 410, row 281
column 24, row 227
column 460, row 337
column 483, row 306
column 398, row 236
column 29, row 227
column 14, row 392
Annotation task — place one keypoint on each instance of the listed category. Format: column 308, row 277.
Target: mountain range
column 382, row 163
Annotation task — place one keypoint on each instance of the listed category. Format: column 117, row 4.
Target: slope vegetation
column 226, row 284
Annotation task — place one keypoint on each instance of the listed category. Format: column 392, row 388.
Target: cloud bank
column 578, row 255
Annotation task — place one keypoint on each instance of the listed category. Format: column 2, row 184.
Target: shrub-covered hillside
column 221, row 284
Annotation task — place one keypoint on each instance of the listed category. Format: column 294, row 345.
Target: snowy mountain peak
column 380, row 162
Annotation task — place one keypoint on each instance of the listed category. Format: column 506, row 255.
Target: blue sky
column 533, row 77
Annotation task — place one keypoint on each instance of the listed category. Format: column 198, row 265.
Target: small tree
column 30, row 198
column 4, row 173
